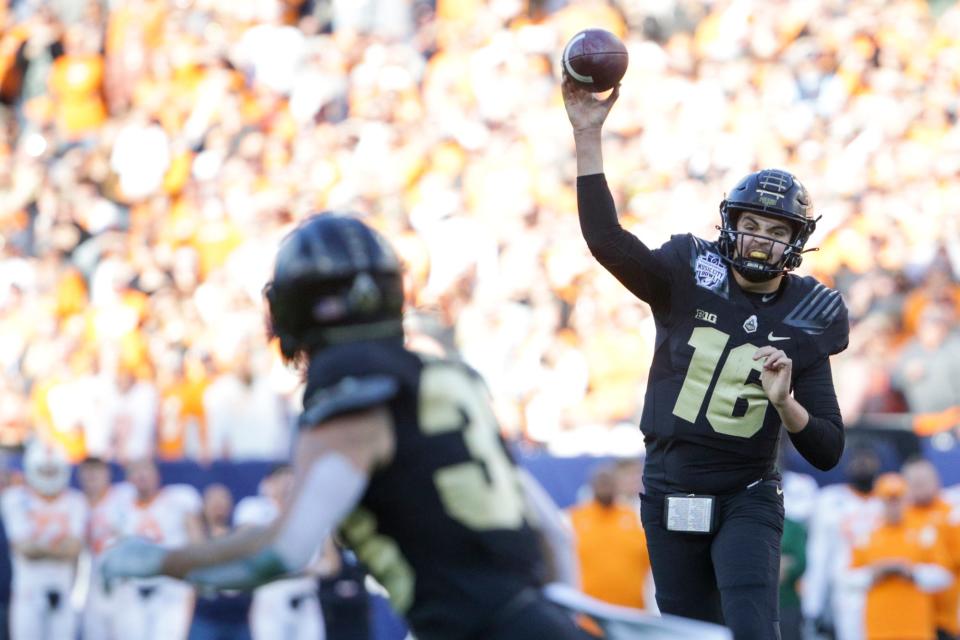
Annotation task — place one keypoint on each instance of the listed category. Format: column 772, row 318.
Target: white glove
column 132, row 558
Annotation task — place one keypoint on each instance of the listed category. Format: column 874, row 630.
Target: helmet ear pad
column 801, row 234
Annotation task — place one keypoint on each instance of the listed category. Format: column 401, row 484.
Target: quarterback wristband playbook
column 690, row 513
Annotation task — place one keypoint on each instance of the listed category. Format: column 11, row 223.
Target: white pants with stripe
column 155, row 609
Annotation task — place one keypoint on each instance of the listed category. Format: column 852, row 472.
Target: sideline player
column 93, row 476
column 156, row 608
column 284, row 608
column 45, row 520
column 400, row 450
column 844, row 513
column 742, row 347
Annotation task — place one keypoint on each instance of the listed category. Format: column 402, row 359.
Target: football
column 595, row 59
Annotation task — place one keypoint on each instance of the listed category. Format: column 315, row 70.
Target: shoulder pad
column 349, row 394
column 700, row 246
column 822, row 312
column 816, row 310
column 353, row 377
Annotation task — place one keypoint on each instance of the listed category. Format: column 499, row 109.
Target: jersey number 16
column 736, row 407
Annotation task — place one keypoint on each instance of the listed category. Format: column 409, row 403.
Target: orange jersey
column 612, row 550
column 946, row 602
column 896, row 607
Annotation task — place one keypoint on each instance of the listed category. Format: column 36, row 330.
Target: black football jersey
column 707, row 423
column 445, row 525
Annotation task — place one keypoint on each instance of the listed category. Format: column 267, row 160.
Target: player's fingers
column 777, row 361
column 567, row 85
column 776, row 354
column 610, row 99
column 763, row 352
column 571, row 91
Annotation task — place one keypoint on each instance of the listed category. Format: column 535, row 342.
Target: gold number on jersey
column 708, row 344
column 382, row 555
column 483, row 493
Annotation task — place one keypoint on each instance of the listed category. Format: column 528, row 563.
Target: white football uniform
column 40, row 601
column 841, row 517
column 158, row 608
column 800, row 493
column 290, row 608
column 103, row 526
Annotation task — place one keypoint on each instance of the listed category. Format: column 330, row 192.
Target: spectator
column 611, row 545
column 937, row 288
column 219, row 615
column 134, row 418
column 928, row 371
column 246, row 417
column 843, row 513
column 443, row 119
column 629, row 478
column 900, row 566
column 927, row 507
column 76, row 84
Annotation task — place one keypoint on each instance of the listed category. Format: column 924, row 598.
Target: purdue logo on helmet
column 771, row 193
column 335, row 280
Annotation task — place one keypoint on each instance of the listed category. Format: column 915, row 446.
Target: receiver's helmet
column 771, row 193
column 45, row 469
column 336, row 280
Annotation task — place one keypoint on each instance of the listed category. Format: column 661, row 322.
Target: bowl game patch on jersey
column 710, row 270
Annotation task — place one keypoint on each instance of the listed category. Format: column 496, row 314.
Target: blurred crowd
column 152, row 153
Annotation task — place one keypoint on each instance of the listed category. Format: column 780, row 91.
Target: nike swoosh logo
column 768, row 297
column 773, row 338
column 779, row 491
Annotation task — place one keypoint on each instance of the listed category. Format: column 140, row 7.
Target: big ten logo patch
column 705, row 316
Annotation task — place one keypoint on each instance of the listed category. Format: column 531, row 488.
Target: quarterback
column 742, row 347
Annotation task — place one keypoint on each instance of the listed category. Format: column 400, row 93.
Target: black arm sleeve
column 821, row 441
column 619, row 251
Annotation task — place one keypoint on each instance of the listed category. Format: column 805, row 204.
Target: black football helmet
column 336, row 280
column 771, row 193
